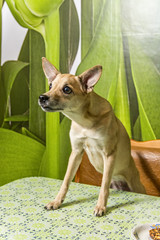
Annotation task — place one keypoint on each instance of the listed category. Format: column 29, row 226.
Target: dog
column 94, row 129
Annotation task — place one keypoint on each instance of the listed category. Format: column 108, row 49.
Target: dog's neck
column 92, row 109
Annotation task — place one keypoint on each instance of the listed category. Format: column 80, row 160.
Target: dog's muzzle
column 45, row 104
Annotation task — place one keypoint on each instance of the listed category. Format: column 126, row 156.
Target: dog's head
column 66, row 91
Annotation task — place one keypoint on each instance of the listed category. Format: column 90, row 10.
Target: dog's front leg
column 100, row 208
column 74, row 162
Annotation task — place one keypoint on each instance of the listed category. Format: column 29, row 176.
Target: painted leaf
column 43, row 7
column 36, row 85
column 10, row 70
column 26, row 14
column 90, row 15
column 18, row 160
column 137, row 130
column 16, row 13
column 49, row 168
column 147, row 83
column 140, row 24
column 17, row 118
column 24, row 17
column 27, row 133
column 132, row 96
column 69, row 35
column 65, row 146
column 121, row 107
column 105, row 47
column 19, row 96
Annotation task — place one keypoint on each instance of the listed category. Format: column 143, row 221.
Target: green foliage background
column 122, row 36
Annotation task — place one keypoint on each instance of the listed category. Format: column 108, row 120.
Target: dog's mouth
column 49, row 109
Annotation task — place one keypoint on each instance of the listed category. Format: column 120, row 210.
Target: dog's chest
column 92, row 141
column 94, row 147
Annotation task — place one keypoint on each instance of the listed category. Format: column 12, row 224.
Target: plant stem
column 52, row 45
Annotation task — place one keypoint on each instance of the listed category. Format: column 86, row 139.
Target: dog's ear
column 50, row 71
column 90, row 77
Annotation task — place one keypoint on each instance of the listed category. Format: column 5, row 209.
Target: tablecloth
column 22, row 213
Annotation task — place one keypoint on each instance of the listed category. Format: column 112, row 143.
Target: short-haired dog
column 94, row 129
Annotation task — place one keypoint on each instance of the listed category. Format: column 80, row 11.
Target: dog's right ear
column 50, row 71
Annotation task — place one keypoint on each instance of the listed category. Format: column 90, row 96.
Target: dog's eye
column 50, row 86
column 67, row 90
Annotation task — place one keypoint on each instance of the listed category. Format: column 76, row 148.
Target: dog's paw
column 99, row 211
column 53, row 205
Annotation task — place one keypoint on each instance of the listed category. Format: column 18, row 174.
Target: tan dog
column 94, row 129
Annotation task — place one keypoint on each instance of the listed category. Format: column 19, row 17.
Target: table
column 22, row 213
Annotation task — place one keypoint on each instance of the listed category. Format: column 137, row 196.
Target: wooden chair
column 147, row 159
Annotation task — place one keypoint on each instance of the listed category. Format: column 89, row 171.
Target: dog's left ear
column 90, row 77
column 50, row 71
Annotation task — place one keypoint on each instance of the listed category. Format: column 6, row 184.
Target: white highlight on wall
column 12, row 35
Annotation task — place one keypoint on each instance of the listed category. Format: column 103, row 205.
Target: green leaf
column 24, row 17
column 133, row 102
column 16, row 13
column 69, row 35
column 137, row 130
column 121, row 97
column 86, row 26
column 147, row 83
column 26, row 132
column 43, row 7
column 17, row 118
column 90, row 15
column 48, row 168
column 10, row 70
column 26, row 14
column 20, row 156
column 19, row 96
column 65, row 146
column 105, row 47
column 37, row 84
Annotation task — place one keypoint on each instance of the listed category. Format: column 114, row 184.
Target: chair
column 147, row 159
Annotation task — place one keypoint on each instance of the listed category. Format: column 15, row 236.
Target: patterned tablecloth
column 22, row 213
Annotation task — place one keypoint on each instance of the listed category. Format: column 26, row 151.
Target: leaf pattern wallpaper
column 122, row 36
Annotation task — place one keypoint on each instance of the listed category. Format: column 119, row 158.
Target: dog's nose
column 43, row 98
